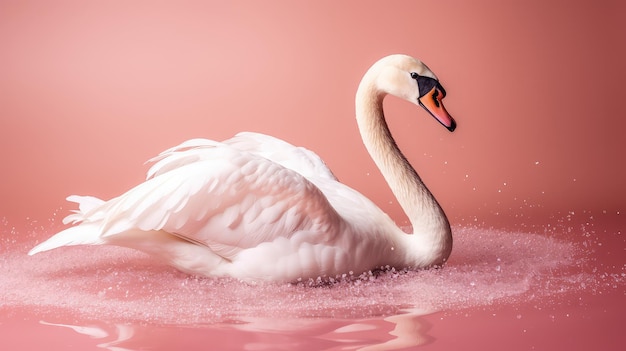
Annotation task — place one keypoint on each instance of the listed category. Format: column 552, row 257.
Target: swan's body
column 259, row 209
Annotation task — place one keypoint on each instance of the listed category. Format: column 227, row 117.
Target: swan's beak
column 431, row 102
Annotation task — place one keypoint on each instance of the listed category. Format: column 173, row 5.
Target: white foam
column 109, row 283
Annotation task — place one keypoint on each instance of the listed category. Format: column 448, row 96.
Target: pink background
column 89, row 90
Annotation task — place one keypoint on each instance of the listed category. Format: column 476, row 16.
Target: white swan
column 259, row 209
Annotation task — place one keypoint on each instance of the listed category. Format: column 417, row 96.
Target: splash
column 108, row 283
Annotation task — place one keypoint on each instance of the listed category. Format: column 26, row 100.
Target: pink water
column 556, row 285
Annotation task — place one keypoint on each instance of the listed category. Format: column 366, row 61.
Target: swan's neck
column 431, row 239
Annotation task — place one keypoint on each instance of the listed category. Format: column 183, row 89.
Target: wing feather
column 298, row 159
column 224, row 198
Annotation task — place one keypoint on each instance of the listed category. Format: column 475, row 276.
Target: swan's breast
column 303, row 255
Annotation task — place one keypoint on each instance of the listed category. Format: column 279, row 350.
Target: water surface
column 119, row 299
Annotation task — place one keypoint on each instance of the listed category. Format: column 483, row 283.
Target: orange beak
column 431, row 102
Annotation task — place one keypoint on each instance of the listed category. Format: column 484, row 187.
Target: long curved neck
column 430, row 224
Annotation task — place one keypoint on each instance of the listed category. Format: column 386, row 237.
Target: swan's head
column 409, row 79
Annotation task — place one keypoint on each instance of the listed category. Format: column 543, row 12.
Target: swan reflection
column 118, row 332
column 368, row 334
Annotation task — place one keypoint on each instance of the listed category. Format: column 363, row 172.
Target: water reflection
column 118, row 332
column 399, row 331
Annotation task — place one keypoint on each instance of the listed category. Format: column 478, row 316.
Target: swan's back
column 249, row 217
column 298, row 159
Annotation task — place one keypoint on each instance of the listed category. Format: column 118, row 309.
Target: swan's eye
column 414, row 75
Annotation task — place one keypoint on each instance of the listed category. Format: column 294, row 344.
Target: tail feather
column 84, row 234
column 86, row 204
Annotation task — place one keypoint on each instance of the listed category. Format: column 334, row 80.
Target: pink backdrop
column 90, row 90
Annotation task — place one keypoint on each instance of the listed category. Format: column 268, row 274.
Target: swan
column 257, row 208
